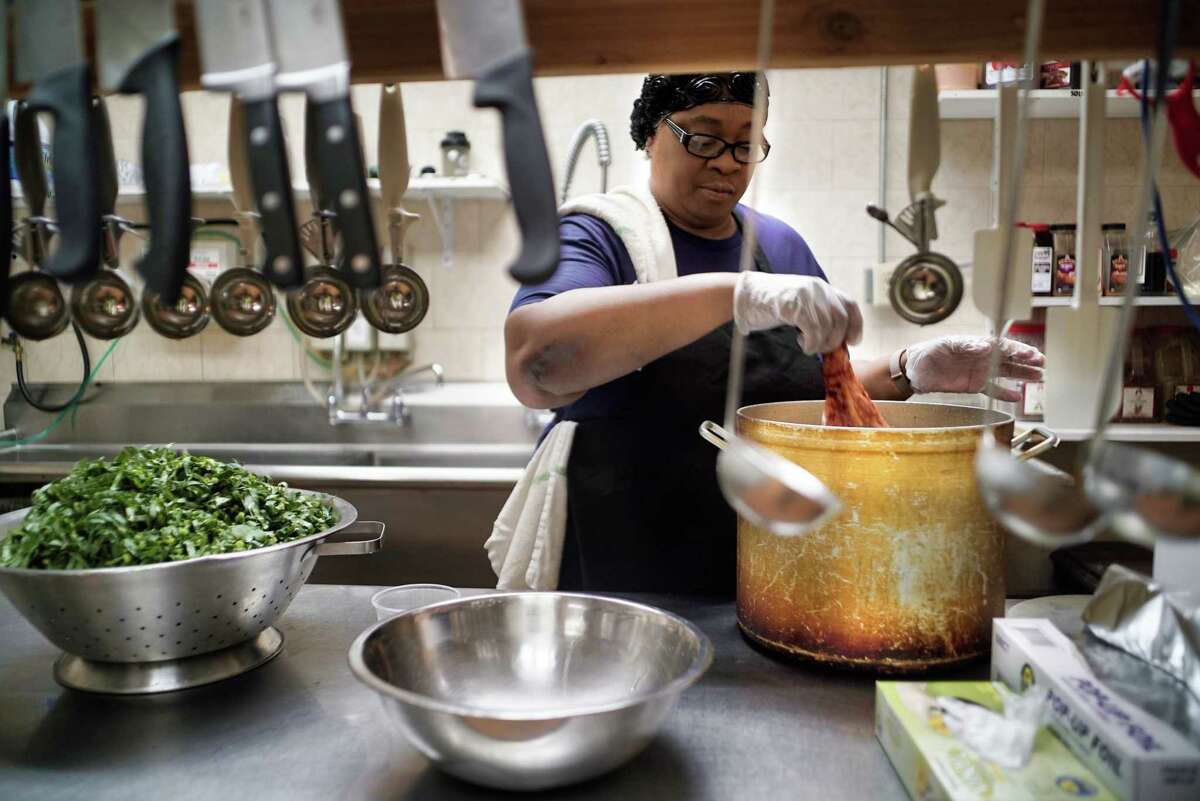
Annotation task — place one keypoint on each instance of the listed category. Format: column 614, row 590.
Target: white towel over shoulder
column 525, row 548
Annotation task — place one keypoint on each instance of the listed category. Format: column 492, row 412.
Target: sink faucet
column 396, row 411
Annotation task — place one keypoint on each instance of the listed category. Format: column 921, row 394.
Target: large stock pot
column 910, row 573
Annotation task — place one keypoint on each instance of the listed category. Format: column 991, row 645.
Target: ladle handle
column 1048, row 442
column 714, row 433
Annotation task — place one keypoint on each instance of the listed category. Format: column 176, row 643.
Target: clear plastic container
column 406, row 597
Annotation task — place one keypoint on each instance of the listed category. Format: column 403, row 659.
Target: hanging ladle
column 763, row 487
column 1035, row 501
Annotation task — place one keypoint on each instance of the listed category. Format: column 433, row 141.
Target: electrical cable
column 77, row 397
column 1164, row 242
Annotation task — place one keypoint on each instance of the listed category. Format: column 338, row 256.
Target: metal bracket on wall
column 442, row 210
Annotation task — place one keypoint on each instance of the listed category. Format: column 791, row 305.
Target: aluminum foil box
column 1137, row 756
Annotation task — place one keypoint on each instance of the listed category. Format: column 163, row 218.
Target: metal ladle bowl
column 243, row 301
column 36, row 307
column 324, row 305
column 1145, row 494
column 105, row 306
column 399, row 303
column 766, row 489
column 184, row 318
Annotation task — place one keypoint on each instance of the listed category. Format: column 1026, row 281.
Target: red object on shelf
column 1182, row 114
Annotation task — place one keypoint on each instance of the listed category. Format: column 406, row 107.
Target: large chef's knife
column 50, row 55
column 106, row 172
column 239, row 180
column 485, row 40
column 31, row 172
column 236, row 56
column 138, row 50
column 310, row 48
column 322, row 207
column 6, row 210
column 394, row 168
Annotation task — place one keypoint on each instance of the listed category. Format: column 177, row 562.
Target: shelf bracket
column 441, row 208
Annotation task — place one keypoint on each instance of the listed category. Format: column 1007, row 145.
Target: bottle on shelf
column 1043, row 259
column 1063, row 236
column 1138, row 391
column 1115, row 259
column 1153, row 272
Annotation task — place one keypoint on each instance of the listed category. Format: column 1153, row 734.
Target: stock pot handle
column 355, row 547
column 1049, row 440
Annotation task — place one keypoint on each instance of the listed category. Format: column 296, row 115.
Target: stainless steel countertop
column 303, row 727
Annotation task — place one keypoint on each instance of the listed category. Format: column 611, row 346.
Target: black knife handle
column 27, row 152
column 106, row 161
column 508, row 87
column 343, row 182
column 155, row 77
column 272, row 182
column 6, row 211
column 67, row 95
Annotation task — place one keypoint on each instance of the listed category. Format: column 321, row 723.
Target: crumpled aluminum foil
column 1134, row 613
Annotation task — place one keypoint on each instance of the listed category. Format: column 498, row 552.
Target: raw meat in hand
column 846, row 400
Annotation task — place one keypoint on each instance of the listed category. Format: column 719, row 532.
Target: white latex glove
column 825, row 317
column 960, row 364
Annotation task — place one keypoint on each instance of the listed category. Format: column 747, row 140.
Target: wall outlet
column 876, row 280
column 211, row 256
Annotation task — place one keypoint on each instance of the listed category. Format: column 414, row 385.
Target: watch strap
column 897, row 372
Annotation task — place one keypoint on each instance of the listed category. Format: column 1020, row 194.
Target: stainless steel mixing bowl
column 526, row 691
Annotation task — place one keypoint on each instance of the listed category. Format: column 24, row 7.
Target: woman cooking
column 629, row 344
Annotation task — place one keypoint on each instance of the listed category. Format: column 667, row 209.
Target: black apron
column 644, row 512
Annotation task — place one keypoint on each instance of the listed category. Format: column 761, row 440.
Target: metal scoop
column 765, row 488
column 762, row 486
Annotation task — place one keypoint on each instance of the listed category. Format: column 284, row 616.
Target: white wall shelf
column 980, row 104
column 1109, row 300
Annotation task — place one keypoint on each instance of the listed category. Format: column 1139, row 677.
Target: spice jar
column 456, row 154
column 1176, row 350
column 1115, row 259
column 1064, row 259
column 1043, row 258
column 1139, row 394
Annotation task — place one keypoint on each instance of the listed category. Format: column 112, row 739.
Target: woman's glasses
column 713, row 147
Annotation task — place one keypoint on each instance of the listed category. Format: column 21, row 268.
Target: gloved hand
column 960, row 364
column 826, row 317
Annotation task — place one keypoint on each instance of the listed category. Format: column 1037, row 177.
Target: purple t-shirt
column 593, row 255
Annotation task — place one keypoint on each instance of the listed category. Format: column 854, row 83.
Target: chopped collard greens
column 150, row 505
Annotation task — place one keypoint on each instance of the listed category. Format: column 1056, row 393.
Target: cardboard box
column 1137, row 756
column 935, row 766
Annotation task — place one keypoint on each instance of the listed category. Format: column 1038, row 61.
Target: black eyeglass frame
column 686, row 138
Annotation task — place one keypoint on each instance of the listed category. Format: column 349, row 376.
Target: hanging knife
column 485, row 40
column 31, row 172
column 50, row 55
column 106, row 170
column 322, row 209
column 394, row 168
column 239, row 180
column 138, row 50
column 236, row 56
column 310, row 46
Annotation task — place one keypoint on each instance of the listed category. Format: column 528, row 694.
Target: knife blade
column 394, row 167
column 239, row 178
column 106, row 169
column 236, row 56
column 322, row 210
column 31, row 172
column 485, row 40
column 50, row 55
column 138, row 50
column 310, row 47
column 6, row 209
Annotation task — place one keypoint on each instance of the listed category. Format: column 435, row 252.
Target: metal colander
column 150, row 613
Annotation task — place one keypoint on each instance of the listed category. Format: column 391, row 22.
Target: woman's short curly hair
column 665, row 94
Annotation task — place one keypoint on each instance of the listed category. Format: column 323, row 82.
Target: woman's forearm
column 876, row 377
column 560, row 347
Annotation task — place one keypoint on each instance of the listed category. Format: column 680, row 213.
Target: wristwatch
column 897, row 373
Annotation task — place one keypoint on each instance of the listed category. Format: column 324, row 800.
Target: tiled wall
column 824, row 127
